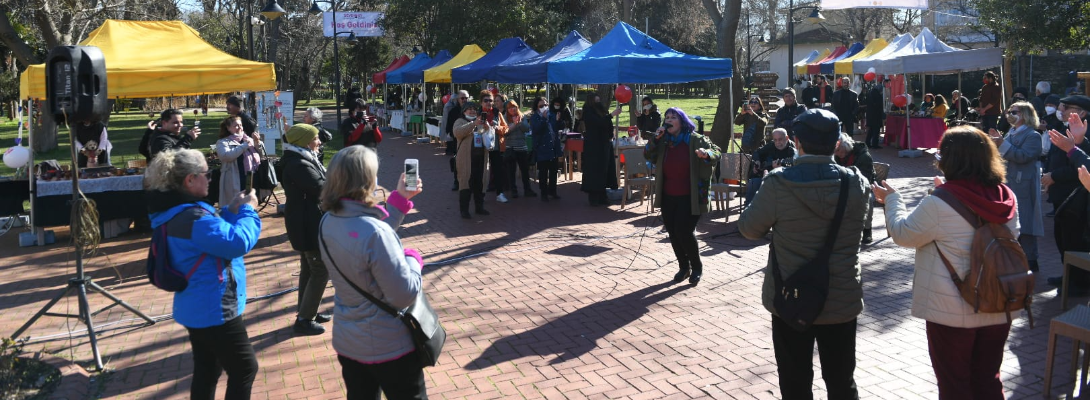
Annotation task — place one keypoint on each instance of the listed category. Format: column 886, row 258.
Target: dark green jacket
column 701, row 170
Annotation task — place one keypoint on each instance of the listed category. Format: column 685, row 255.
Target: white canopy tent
column 861, row 66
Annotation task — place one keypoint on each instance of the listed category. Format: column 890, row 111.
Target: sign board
column 273, row 111
column 765, row 80
column 360, row 23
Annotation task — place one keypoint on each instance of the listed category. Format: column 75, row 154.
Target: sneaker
column 323, row 318
column 307, row 327
column 501, row 198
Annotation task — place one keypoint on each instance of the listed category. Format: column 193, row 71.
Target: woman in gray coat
column 1022, row 149
column 357, row 239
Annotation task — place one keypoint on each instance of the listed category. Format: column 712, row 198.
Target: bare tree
column 904, row 21
column 724, row 15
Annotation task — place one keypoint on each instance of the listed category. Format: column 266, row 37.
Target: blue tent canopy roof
column 416, row 75
column 626, row 55
column 507, row 50
column 417, row 61
column 535, row 69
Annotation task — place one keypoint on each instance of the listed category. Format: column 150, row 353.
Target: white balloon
column 871, row 69
column 422, row 97
column 16, row 156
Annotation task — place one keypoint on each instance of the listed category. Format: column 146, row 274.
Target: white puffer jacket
column 935, row 298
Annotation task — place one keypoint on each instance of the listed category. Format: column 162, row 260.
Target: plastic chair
column 636, row 174
column 732, row 180
column 1074, row 324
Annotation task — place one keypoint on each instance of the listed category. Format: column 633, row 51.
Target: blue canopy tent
column 535, row 69
column 416, row 75
column 829, row 67
column 626, row 55
column 420, row 60
column 507, row 50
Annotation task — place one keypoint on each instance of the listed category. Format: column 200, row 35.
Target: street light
column 815, row 17
column 272, row 11
column 336, row 50
column 749, row 51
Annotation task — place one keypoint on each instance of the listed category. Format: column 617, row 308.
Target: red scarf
column 992, row 203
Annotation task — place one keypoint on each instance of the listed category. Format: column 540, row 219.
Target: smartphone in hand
column 412, row 173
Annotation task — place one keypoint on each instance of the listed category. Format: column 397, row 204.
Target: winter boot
column 463, row 203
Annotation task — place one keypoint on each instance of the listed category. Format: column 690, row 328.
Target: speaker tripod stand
column 80, row 283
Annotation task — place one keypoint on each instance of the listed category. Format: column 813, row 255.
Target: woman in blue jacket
column 210, row 244
column 545, row 126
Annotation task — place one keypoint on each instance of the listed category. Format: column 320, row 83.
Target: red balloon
column 900, row 100
column 623, row 93
column 446, row 98
column 374, row 89
column 495, row 92
column 869, row 77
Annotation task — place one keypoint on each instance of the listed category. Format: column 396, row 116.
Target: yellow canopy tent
column 441, row 72
column 844, row 67
column 801, row 69
column 158, row 58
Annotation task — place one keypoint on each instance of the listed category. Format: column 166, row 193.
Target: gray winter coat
column 365, row 247
column 1022, row 150
column 797, row 204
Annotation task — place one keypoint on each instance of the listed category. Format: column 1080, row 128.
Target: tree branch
column 713, row 11
column 10, row 38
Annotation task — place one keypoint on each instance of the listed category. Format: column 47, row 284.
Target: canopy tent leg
column 958, row 106
column 730, row 129
column 909, row 150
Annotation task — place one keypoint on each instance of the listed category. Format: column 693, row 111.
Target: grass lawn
column 127, row 128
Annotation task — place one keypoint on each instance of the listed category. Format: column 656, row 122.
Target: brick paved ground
column 568, row 302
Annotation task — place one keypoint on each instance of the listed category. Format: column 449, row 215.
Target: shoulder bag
column 427, row 333
column 801, row 297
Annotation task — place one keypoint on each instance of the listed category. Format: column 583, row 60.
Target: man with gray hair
column 313, row 116
column 1044, row 89
column 851, row 153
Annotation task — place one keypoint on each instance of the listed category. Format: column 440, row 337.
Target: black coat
column 786, row 115
column 162, row 140
column 302, row 181
column 649, row 122
column 875, row 106
column 1065, row 176
column 846, row 103
column 599, row 170
column 764, row 156
column 860, row 158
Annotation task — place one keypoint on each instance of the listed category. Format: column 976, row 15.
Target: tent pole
column 959, row 95
column 730, row 128
column 30, row 171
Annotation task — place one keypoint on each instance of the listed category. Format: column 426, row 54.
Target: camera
column 359, row 115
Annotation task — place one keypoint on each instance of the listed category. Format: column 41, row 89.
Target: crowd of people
column 811, row 176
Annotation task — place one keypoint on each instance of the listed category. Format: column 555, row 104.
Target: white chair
column 732, row 168
column 636, row 175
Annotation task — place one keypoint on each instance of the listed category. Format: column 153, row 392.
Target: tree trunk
column 726, row 31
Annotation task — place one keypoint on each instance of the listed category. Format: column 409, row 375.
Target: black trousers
column 521, row 160
column 497, row 176
column 989, row 122
column 546, row 176
column 222, row 348
column 795, row 359
column 874, row 130
column 681, row 228
column 402, row 378
column 313, row 277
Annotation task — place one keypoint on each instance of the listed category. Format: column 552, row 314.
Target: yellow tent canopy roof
column 441, row 72
column 161, row 58
column 844, row 67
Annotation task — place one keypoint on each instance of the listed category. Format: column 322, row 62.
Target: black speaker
column 75, row 83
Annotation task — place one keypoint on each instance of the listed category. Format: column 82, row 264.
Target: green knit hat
column 301, row 134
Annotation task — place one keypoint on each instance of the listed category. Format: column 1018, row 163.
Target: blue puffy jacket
column 217, row 289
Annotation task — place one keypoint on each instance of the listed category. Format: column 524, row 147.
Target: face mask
column 471, row 118
column 556, row 107
column 647, row 107
column 1050, row 110
column 543, row 110
column 1013, row 119
column 1060, row 115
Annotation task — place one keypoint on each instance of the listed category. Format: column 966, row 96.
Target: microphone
column 666, row 126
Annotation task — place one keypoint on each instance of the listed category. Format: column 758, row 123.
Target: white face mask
column 543, row 110
column 1060, row 115
column 647, row 107
column 1050, row 110
column 471, row 118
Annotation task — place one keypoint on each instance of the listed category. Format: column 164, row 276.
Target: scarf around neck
column 250, row 158
column 306, row 153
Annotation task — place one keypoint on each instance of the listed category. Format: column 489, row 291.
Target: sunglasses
column 205, row 174
column 486, row 101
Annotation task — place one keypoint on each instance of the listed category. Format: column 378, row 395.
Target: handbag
column 265, row 176
column 427, row 333
column 800, row 298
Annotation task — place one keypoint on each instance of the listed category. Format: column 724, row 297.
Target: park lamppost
column 336, row 50
column 814, row 18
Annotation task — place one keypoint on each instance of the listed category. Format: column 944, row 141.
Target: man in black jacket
column 356, row 130
column 165, row 134
column 790, row 110
column 779, row 153
column 845, row 104
column 1071, row 214
column 234, row 108
column 876, row 115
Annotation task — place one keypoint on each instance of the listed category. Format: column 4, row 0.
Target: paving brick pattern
column 541, row 300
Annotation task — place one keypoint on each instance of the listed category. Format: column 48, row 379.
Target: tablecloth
column 97, row 185
column 925, row 132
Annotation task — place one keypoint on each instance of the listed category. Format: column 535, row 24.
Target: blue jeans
column 751, row 189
